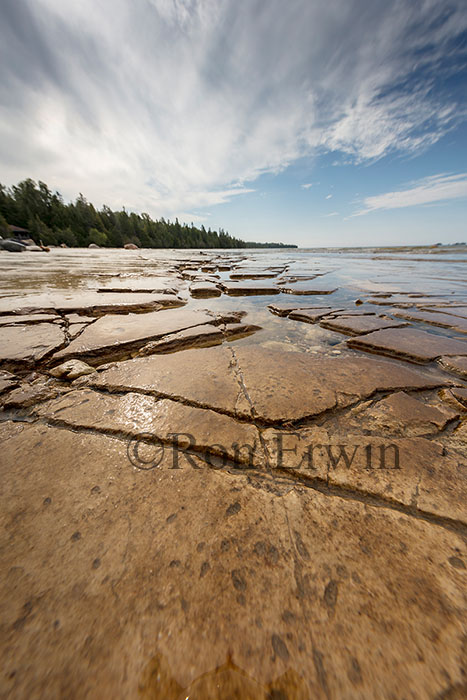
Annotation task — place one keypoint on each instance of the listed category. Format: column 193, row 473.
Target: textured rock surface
column 30, row 343
column 204, row 290
column 14, row 319
column 435, row 318
column 280, row 517
column 249, row 288
column 110, row 574
column 270, row 385
column 87, row 301
column 286, row 309
column 409, row 344
column 305, row 288
column 72, row 369
column 112, row 333
column 167, row 421
column 358, row 325
column 416, row 473
column 457, row 365
column 402, row 414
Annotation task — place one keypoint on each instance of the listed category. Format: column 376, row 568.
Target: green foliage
column 97, row 237
column 50, row 220
column 4, row 230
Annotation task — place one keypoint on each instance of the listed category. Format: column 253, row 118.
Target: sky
column 313, row 122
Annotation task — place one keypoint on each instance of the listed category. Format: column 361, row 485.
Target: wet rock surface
column 30, row 343
column 111, row 334
column 409, row 343
column 217, row 501
column 260, row 383
column 326, row 562
column 359, row 325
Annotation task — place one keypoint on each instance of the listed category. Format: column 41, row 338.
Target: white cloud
column 430, row 190
column 333, row 213
column 171, row 106
column 307, row 185
column 328, row 196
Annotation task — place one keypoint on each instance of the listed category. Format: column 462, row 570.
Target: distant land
column 45, row 217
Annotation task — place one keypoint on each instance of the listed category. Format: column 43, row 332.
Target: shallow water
column 355, row 273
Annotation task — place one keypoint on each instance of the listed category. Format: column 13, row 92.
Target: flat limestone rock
column 402, row 414
column 78, row 318
column 249, row 288
column 276, row 386
column 113, row 333
column 435, row 318
column 456, row 364
column 304, row 288
column 29, row 343
column 14, row 319
column 204, row 290
column 450, row 310
column 403, row 301
column 286, row 309
column 414, row 472
column 205, row 377
column 253, row 274
column 198, row 337
column 7, row 381
column 310, row 315
column 28, row 395
column 88, row 301
column 341, row 594
column 165, row 420
column 359, row 325
column 409, row 344
column 460, row 394
column 140, row 284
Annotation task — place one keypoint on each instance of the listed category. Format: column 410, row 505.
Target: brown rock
column 286, row 309
column 456, row 364
column 23, row 319
column 409, row 344
column 7, row 381
column 249, row 288
column 359, row 325
column 310, row 315
column 87, row 301
column 339, row 597
column 166, row 421
column 30, row 343
column 198, row 337
column 414, row 472
column 253, row 274
column 204, row 290
column 278, row 387
column 112, row 334
column 435, row 318
column 28, row 395
column 72, row 369
column 402, row 414
column 304, row 288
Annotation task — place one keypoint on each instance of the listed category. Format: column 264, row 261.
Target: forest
column 50, row 220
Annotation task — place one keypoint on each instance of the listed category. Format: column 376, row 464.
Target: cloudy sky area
column 316, row 122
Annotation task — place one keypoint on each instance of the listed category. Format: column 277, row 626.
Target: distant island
column 32, row 210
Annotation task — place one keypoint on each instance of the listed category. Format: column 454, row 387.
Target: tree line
column 49, row 219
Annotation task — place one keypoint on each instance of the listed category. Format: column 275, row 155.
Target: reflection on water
column 354, row 273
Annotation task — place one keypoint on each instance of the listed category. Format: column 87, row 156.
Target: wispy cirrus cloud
column 429, row 190
column 172, row 106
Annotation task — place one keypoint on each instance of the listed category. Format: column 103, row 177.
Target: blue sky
column 336, row 122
